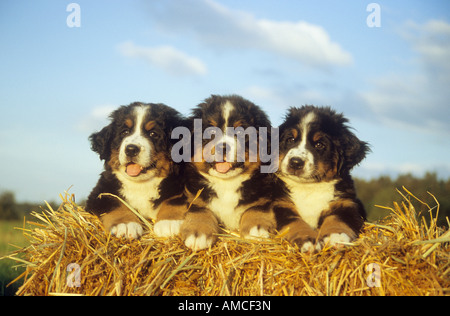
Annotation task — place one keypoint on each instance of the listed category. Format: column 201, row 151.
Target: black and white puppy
column 138, row 167
column 317, row 152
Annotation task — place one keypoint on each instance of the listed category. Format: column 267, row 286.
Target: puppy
column 317, row 152
column 225, row 172
column 138, row 167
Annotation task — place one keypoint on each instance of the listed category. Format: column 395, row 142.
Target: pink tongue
column 223, row 167
column 133, row 170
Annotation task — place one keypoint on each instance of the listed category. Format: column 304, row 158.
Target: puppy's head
column 229, row 136
column 137, row 142
column 317, row 145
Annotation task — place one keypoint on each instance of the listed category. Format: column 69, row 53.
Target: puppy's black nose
column 132, row 150
column 296, row 163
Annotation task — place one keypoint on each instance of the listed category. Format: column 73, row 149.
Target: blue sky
column 58, row 84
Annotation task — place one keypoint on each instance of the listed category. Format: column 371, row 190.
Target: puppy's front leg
column 171, row 216
column 257, row 223
column 121, row 222
column 293, row 227
column 342, row 223
column 199, row 228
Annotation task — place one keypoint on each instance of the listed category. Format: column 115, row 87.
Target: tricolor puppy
column 138, row 167
column 317, row 152
column 235, row 193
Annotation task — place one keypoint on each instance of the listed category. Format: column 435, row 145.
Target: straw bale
column 403, row 255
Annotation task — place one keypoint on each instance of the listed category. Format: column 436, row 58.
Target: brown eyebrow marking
column 129, row 123
column 150, row 125
column 294, row 133
column 239, row 123
column 317, row 136
column 212, row 122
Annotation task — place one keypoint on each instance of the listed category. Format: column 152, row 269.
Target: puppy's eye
column 153, row 134
column 125, row 132
column 290, row 140
column 319, row 145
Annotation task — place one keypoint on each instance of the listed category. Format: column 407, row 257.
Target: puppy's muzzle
column 132, row 150
column 296, row 163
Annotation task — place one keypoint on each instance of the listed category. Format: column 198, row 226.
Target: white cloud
column 96, row 119
column 222, row 28
column 276, row 100
column 167, row 58
column 417, row 100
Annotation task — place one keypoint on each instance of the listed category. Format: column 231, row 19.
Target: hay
column 401, row 256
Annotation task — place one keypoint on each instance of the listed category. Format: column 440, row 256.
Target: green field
column 10, row 239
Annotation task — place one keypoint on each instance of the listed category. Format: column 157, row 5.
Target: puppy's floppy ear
column 354, row 150
column 101, row 142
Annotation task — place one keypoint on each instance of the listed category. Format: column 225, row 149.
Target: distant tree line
column 382, row 191
column 10, row 209
column 378, row 191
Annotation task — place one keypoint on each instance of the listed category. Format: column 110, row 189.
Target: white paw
column 256, row 233
column 198, row 243
column 307, row 247
column 167, row 228
column 131, row 230
column 337, row 239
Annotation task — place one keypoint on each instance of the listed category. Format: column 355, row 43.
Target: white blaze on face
column 137, row 138
column 226, row 144
column 300, row 151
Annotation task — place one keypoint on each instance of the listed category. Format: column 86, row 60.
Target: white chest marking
column 224, row 206
column 311, row 199
column 140, row 194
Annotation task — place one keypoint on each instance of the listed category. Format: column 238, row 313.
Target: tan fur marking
column 171, row 212
column 150, row 125
column 114, row 160
column 212, row 122
column 333, row 225
column 200, row 223
column 294, row 133
column 299, row 232
column 129, row 123
column 120, row 215
column 163, row 164
column 317, row 136
column 238, row 123
column 255, row 217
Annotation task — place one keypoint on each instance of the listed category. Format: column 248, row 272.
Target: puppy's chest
column 142, row 195
column 226, row 204
column 311, row 199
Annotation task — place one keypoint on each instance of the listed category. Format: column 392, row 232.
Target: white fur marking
column 224, row 206
column 198, row 243
column 131, row 230
column 337, row 239
column 140, row 194
column 143, row 158
column 257, row 233
column 226, row 110
column 310, row 199
column 167, row 228
column 307, row 247
column 300, row 150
